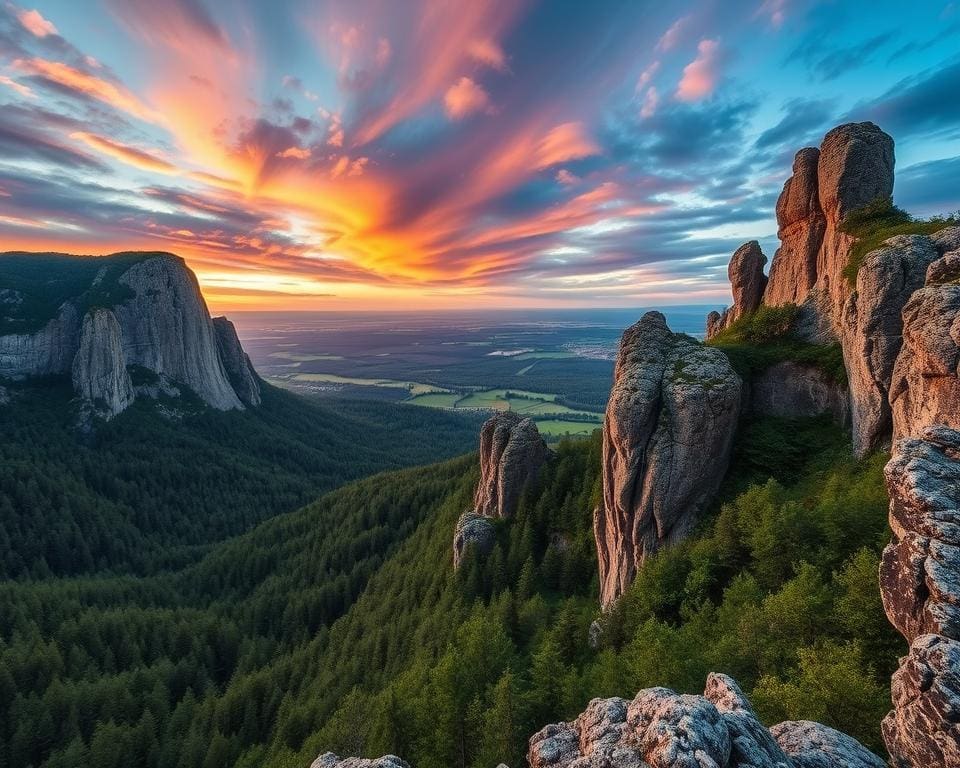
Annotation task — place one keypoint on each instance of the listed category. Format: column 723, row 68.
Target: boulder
column 812, row 745
column 855, row 168
column 945, row 269
column 236, row 362
column 925, row 388
column 801, row 224
column 714, row 323
column 872, row 331
column 794, row 390
column 668, row 430
column 924, row 727
column 747, row 283
column 511, row 455
column 99, row 373
column 663, row 729
column 330, row 760
column 472, row 531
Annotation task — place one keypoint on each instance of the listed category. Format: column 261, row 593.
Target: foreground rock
column 872, row 331
column 472, row 531
column 127, row 310
column 920, row 586
column 330, row 760
column 511, row 454
column 663, row 729
column 747, row 283
column 99, row 369
column 667, row 434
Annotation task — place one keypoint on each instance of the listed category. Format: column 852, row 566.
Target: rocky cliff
column 667, row 435
column 920, row 586
column 747, row 283
column 663, row 729
column 512, row 453
column 117, row 313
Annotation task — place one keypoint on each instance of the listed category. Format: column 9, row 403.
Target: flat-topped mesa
column 747, row 283
column 663, row 729
column 925, row 382
column 512, row 452
column 920, row 587
column 667, row 434
column 115, row 314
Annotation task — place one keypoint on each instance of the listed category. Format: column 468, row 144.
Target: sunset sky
column 431, row 153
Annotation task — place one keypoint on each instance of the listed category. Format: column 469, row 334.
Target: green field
column 561, row 428
column 415, row 388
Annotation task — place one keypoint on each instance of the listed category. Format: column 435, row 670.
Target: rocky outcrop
column 99, row 368
column 330, row 760
column 925, row 385
column 667, row 434
column 167, row 329
column 237, row 364
column 663, row 729
column 511, row 454
column 793, row 390
column 920, row 586
column 47, row 352
column 801, row 224
column 143, row 310
column 472, row 531
column 813, row 745
column 747, row 283
column 872, row 331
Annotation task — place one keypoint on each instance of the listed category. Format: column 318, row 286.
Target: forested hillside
column 145, row 491
column 343, row 626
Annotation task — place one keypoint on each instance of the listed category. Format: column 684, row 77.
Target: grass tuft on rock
column 878, row 221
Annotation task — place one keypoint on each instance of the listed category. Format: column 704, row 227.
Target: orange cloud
column 700, row 75
column 126, row 154
column 488, row 53
column 88, row 85
column 567, row 141
column 35, row 24
column 465, row 98
column 295, row 153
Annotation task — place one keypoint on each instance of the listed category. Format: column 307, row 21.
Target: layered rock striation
column 142, row 311
column 663, row 729
column 667, row 434
column 920, row 586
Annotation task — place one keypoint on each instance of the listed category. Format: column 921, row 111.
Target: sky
column 405, row 154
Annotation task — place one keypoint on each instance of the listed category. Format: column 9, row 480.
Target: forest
column 343, row 625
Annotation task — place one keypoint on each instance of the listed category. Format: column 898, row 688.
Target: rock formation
column 925, row 385
column 473, row 530
column 747, row 282
column 920, row 586
column 99, row 369
column 663, row 729
column 667, row 434
column 511, row 454
column 872, row 330
column 793, row 390
column 801, row 223
column 237, row 364
column 330, row 760
column 143, row 310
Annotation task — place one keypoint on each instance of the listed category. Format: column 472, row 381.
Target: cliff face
column 667, row 434
column 130, row 310
column 920, row 586
column 99, row 370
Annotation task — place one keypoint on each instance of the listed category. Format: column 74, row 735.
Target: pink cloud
column 647, row 75
column 295, row 153
column 34, row 22
column 465, row 98
column 673, row 35
column 566, row 178
column 20, row 88
column 650, row 103
column 567, row 141
column 775, row 10
column 488, row 53
column 700, row 76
